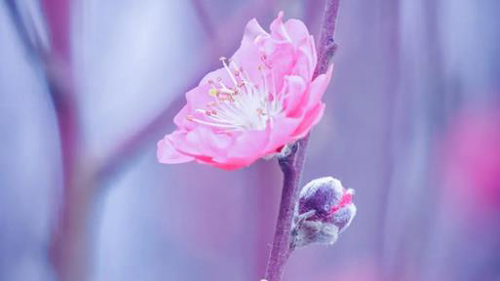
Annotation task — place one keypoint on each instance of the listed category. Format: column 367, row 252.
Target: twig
column 32, row 44
column 54, row 63
column 205, row 20
column 293, row 164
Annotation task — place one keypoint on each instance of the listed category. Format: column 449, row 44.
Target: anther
column 213, row 92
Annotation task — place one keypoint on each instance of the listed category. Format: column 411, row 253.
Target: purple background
column 404, row 71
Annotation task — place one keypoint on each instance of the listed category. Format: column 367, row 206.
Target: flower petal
column 306, row 58
column 168, row 154
column 293, row 90
column 250, row 144
column 311, row 118
column 284, row 134
column 278, row 29
column 253, row 31
column 296, row 30
column 318, row 87
column 196, row 98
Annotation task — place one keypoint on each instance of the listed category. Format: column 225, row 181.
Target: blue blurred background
column 412, row 124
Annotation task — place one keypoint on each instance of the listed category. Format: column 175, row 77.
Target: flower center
column 245, row 105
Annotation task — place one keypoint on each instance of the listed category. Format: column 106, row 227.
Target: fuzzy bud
column 325, row 209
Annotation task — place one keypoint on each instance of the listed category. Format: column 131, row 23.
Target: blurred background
column 87, row 88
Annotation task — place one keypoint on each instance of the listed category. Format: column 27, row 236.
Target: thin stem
column 293, row 164
column 292, row 169
column 205, row 20
column 31, row 44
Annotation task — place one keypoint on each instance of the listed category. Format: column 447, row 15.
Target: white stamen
column 244, row 105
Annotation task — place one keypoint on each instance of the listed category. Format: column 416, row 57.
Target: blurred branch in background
column 26, row 30
column 205, row 20
column 54, row 62
column 83, row 177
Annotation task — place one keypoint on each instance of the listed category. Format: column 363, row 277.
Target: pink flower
column 263, row 98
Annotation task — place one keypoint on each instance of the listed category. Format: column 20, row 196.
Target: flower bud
column 325, row 209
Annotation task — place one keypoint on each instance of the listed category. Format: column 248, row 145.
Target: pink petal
column 294, row 88
column 318, row 87
column 249, row 145
column 203, row 141
column 296, row 30
column 278, row 29
column 311, row 118
column 283, row 135
column 253, row 31
column 196, row 98
column 283, row 61
column 306, row 58
column 248, row 57
column 167, row 154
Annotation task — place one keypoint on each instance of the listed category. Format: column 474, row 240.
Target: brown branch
column 293, row 164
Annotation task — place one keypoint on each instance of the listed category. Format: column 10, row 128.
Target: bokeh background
column 412, row 124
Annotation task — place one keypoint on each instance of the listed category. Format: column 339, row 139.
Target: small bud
column 320, row 195
column 325, row 209
column 308, row 232
column 342, row 218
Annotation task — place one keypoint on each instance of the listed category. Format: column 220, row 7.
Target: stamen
column 223, row 60
column 220, row 125
column 213, row 92
column 227, row 91
column 243, row 106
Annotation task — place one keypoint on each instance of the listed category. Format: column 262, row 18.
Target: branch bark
column 293, row 164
